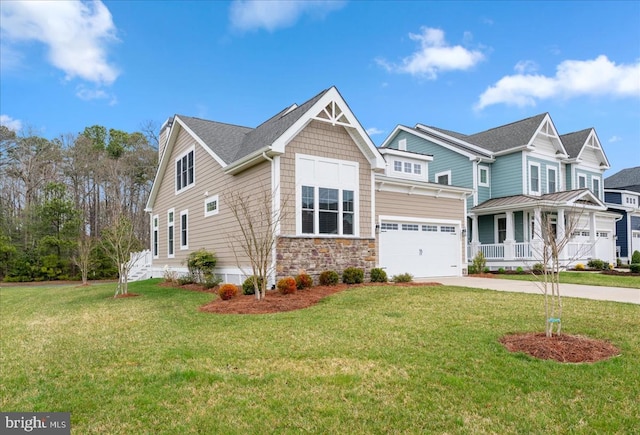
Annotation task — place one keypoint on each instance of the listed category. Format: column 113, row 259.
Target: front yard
column 586, row 278
column 366, row 360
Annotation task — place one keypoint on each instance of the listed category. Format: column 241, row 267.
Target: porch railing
column 522, row 250
column 525, row 251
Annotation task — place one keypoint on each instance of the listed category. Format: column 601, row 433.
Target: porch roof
column 566, row 199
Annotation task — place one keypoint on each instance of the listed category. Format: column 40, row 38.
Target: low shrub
column 329, row 277
column 635, row 257
column 186, row 279
column 597, row 264
column 520, row 270
column 210, row 281
column 402, row 277
column 479, row 262
column 486, row 270
column 248, row 287
column 378, row 275
column 579, row 266
column 538, row 268
column 227, row 291
column 634, row 267
column 471, row 270
column 303, row 281
column 353, row 275
column 170, row 275
column 287, row 285
column 501, row 270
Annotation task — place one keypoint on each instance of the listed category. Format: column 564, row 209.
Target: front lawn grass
column 586, row 278
column 366, row 360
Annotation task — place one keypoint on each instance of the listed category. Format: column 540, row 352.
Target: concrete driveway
column 616, row 294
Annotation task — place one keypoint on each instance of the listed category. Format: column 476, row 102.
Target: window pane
column 417, row 169
column 347, row 200
column 483, row 176
column 307, row 222
column 347, row 223
column 307, row 198
column 178, row 175
column 443, row 179
column 190, row 167
column 397, row 166
column 328, row 199
column 328, row 223
column 534, row 178
column 407, row 167
column 171, row 240
column 183, row 230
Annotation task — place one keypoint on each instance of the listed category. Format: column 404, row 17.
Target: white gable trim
column 548, row 129
column 594, row 143
column 165, row 159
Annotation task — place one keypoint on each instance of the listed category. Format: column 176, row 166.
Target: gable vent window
column 185, row 171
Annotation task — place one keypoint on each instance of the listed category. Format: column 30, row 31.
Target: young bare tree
column 82, row 258
column 119, row 242
column 554, row 237
column 258, row 225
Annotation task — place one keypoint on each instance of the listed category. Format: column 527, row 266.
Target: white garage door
column 423, row 250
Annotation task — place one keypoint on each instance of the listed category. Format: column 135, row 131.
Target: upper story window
column 582, row 181
column 552, row 180
column 595, row 186
column 534, row 178
column 483, row 176
column 185, row 170
column 443, row 177
column 408, row 168
column 327, row 196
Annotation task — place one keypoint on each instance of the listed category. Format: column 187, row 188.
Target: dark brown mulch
column 562, row 348
column 274, row 302
column 619, row 272
column 126, row 295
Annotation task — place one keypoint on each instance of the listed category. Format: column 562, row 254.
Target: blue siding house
column 522, row 174
column 622, row 195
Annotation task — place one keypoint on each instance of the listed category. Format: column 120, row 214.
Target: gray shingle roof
column 627, row 179
column 507, row 136
column 573, row 142
column 455, row 144
column 233, row 142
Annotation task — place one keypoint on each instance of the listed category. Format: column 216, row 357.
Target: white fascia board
column 513, row 150
column 332, row 94
column 249, row 160
column 395, row 131
column 391, row 184
column 593, row 135
column 435, row 139
column 406, row 154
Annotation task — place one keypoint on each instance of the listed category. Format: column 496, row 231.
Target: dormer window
column 408, row 168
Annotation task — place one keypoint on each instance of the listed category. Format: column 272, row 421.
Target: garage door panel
column 421, row 253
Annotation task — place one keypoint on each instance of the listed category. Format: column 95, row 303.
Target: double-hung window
column 170, row 233
column 534, row 178
column 155, row 236
column 184, row 230
column 551, row 180
column 596, row 186
column 185, row 170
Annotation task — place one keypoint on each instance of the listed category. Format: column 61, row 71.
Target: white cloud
column 573, row 78
column 87, row 94
column 526, row 66
column 271, row 15
column 10, row 123
column 374, row 131
column 614, row 139
column 434, row 55
column 75, row 33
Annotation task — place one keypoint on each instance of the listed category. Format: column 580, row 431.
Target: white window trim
column 213, row 198
column 171, row 225
column 593, row 189
column 480, row 169
column 402, row 144
column 155, row 235
column 402, row 173
column 555, row 170
column 531, row 191
column 175, row 163
column 586, row 186
column 186, row 245
column 340, row 184
column 440, row 174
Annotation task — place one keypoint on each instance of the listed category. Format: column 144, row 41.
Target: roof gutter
column 250, row 160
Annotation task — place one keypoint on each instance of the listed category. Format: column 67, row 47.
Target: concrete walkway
column 616, row 294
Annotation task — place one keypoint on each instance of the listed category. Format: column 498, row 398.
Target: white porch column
column 475, row 237
column 560, row 233
column 509, row 248
column 536, row 240
column 592, row 234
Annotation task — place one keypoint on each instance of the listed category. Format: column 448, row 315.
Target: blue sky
column 463, row 66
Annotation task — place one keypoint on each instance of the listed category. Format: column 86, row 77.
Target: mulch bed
column 563, row 348
column 274, row 302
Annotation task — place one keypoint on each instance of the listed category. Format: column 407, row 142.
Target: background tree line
column 59, row 196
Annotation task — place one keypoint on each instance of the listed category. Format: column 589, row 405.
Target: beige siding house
column 322, row 174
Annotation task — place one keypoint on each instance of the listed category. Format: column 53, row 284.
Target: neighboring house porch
column 510, row 231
